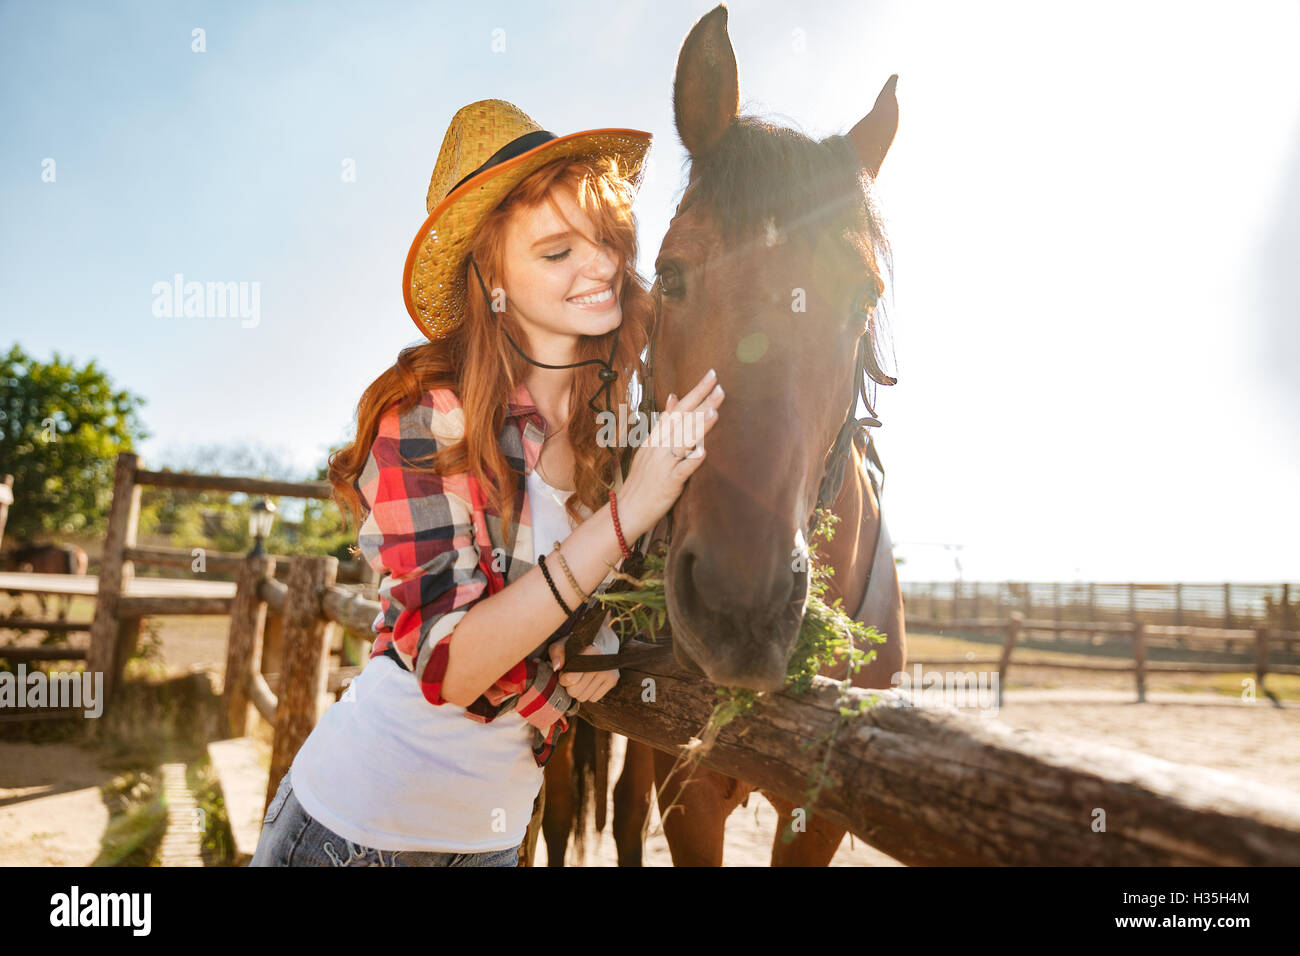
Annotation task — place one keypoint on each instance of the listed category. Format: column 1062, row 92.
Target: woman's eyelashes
column 560, row 255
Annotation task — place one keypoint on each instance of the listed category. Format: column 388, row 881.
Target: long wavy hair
column 483, row 369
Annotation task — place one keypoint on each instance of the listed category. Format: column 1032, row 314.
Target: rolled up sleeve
column 420, row 535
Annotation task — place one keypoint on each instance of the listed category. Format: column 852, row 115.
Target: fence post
column 1178, row 604
column 1008, row 645
column 304, row 668
column 1140, row 659
column 1227, row 606
column 1261, row 657
column 115, row 574
column 244, row 647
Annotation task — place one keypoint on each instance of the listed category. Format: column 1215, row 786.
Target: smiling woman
column 434, row 755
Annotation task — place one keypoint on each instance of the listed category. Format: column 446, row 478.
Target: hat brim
column 433, row 281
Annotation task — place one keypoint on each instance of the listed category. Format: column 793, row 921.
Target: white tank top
column 386, row 769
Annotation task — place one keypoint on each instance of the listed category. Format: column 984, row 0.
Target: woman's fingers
column 701, row 391
column 611, row 678
column 597, row 687
column 582, row 686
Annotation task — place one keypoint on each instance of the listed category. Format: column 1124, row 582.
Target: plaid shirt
column 441, row 547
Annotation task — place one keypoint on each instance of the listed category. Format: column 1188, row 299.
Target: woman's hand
column 592, row 685
column 661, row 466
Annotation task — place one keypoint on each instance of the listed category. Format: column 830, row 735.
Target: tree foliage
column 61, row 428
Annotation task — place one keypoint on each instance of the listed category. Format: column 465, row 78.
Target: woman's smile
column 595, row 302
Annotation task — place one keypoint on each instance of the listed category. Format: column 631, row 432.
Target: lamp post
column 260, row 520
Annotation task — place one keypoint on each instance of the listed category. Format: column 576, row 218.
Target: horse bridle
column 833, row 469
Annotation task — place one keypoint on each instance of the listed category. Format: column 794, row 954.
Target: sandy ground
column 51, row 809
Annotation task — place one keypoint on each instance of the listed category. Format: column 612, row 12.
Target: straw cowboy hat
column 490, row 147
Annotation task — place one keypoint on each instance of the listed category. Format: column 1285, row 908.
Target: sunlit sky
column 1094, row 209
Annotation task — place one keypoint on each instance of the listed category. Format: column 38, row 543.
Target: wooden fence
column 116, row 625
column 1015, row 627
column 1227, row 605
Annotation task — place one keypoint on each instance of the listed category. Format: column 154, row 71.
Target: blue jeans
column 291, row 837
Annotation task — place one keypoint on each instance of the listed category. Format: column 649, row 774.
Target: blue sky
column 1093, row 208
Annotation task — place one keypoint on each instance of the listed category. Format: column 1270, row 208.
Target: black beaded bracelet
column 568, row 612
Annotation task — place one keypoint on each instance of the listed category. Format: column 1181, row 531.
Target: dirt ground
column 51, row 809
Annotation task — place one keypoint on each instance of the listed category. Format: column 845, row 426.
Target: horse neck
column 853, row 549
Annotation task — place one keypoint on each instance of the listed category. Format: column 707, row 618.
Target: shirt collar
column 532, row 426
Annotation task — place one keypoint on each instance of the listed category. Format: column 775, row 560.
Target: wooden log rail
column 926, row 785
column 931, row 786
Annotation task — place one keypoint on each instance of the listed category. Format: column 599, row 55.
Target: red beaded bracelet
column 613, row 511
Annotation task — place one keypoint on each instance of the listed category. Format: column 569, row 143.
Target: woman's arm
column 445, row 627
column 501, row 629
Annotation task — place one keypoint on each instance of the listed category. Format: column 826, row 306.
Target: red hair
column 480, row 366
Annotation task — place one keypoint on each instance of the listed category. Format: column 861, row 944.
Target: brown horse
column 761, row 276
column 47, row 559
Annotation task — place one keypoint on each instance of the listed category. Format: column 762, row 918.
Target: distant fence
column 1139, row 635
column 1227, row 605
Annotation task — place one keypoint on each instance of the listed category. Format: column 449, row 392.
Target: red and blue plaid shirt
column 440, row 546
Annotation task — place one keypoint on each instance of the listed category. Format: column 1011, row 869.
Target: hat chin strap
column 608, row 374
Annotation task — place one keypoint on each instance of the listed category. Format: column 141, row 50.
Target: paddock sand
column 51, row 810
column 1256, row 741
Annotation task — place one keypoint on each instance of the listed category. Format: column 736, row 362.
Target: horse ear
column 875, row 131
column 706, row 89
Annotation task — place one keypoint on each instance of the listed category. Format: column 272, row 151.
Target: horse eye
column 670, row 280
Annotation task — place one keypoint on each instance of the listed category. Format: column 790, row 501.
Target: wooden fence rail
column 1015, row 626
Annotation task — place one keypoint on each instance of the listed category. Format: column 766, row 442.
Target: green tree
column 61, row 428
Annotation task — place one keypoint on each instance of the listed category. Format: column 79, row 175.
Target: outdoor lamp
column 260, row 520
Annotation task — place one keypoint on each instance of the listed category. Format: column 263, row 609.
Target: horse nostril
column 687, row 576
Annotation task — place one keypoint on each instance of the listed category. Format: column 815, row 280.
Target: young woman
column 490, row 507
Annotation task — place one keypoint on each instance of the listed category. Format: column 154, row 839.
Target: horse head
column 770, row 273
